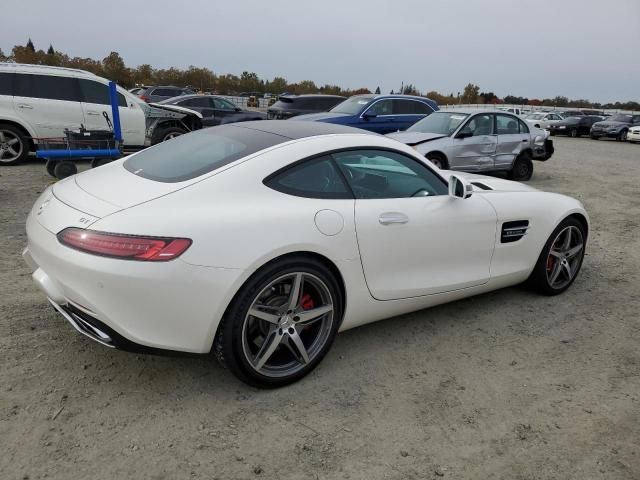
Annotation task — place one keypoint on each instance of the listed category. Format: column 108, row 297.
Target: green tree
column 51, row 51
column 30, row 45
column 470, row 93
column 277, row 85
column 377, row 91
column 115, row 69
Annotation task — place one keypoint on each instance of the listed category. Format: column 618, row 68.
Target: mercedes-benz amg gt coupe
column 259, row 241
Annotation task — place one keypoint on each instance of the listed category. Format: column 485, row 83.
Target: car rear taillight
column 126, row 247
column 145, row 98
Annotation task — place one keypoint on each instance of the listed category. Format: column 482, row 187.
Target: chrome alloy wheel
column 564, row 257
column 287, row 324
column 10, row 146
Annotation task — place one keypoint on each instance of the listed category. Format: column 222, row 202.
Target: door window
column 506, row 124
column 480, row 125
column 523, row 126
column 201, row 102
column 383, row 107
column 6, row 83
column 48, row 87
column 96, row 92
column 374, row 174
column 223, row 104
column 166, row 92
column 410, row 107
column 315, row 178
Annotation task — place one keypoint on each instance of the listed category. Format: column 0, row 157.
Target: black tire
column 552, row 133
column 229, row 346
column 593, row 137
column 50, row 166
column 64, row 169
column 98, row 162
column 167, row 133
column 15, row 141
column 438, row 159
column 522, row 168
column 538, row 280
column 574, row 133
column 622, row 136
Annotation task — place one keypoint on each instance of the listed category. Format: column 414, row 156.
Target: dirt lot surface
column 508, row 385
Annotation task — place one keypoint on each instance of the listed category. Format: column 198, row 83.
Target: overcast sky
column 542, row 48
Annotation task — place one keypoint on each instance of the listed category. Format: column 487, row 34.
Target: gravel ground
column 507, row 385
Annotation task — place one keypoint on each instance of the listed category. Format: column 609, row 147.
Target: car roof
column 312, row 95
column 295, row 129
column 472, row 111
column 43, row 69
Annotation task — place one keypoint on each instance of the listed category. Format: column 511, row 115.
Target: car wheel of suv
column 622, row 136
column 281, row 323
column 522, row 168
column 14, row 146
column 438, row 160
column 561, row 258
column 164, row 134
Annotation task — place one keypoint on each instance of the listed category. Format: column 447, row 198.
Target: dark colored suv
column 156, row 94
column 291, row 105
column 616, row 126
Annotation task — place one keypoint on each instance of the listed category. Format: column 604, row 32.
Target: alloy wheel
column 171, row 135
column 10, row 146
column 287, row 325
column 565, row 256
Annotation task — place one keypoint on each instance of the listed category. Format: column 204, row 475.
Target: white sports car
column 259, row 241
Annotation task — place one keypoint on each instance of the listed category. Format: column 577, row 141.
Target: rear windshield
column 194, row 154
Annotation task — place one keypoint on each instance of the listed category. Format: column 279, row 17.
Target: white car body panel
column 449, row 249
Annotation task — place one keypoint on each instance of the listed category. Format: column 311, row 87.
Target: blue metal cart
column 102, row 146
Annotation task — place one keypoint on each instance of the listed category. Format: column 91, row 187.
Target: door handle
column 392, row 217
column 525, row 141
column 25, row 106
column 92, row 112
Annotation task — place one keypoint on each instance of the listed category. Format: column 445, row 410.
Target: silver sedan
column 479, row 141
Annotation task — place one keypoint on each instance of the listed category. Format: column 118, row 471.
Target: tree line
column 203, row 79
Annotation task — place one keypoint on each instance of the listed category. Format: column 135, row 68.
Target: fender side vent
column 514, row 231
column 481, row 186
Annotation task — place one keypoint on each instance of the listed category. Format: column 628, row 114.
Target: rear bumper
column 138, row 306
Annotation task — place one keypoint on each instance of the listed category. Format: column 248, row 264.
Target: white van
column 38, row 101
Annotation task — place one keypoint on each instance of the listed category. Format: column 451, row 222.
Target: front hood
column 175, row 109
column 414, row 138
column 609, row 124
column 494, row 184
column 318, row 117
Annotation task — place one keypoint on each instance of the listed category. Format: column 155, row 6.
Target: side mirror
column 464, row 134
column 459, row 187
column 369, row 114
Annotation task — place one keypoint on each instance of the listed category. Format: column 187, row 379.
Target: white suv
column 38, row 101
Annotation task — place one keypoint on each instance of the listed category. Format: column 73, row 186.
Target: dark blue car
column 377, row 113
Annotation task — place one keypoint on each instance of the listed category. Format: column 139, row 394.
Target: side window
column 315, row 178
column 96, row 92
column 635, row 119
column 48, row 87
column 200, row 102
column 506, row 124
column 165, row 92
column 480, row 125
column 6, row 83
column 222, row 104
column 523, row 127
column 410, row 107
column 383, row 107
column 376, row 174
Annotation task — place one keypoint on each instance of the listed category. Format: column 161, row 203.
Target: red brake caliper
column 307, row 302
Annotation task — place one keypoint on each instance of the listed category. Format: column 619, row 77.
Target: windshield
column 444, row 123
column 353, row 105
column 620, row 118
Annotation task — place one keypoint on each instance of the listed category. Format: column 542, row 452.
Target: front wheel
column 522, row 168
column 164, row 134
column 561, row 258
column 281, row 323
column 438, row 160
column 622, row 136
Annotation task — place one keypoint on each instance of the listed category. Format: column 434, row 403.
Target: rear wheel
column 561, row 258
column 522, row 168
column 281, row 323
column 438, row 160
column 14, row 146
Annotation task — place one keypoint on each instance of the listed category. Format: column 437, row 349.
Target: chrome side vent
column 514, row 231
column 481, row 186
